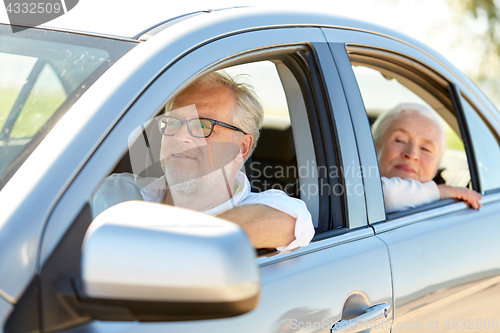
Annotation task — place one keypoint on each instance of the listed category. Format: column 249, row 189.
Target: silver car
column 72, row 101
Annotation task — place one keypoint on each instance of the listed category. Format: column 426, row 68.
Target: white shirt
column 401, row 194
column 124, row 186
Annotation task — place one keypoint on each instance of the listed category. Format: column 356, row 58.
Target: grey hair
column 385, row 119
column 248, row 113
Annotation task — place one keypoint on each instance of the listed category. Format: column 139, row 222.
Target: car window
column 282, row 159
column 42, row 74
column 381, row 92
column 43, row 100
column 273, row 164
column 385, row 83
column 485, row 146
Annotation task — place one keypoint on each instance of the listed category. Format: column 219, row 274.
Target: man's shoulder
column 119, row 178
column 126, row 179
column 115, row 189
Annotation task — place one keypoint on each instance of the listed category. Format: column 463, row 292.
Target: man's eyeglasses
column 197, row 127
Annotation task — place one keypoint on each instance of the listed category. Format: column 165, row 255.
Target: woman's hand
column 470, row 197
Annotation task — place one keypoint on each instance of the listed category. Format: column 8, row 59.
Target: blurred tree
column 488, row 9
column 486, row 13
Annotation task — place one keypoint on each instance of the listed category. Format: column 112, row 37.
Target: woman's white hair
column 248, row 114
column 385, row 119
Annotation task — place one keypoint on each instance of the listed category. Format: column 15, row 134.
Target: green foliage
column 6, row 102
column 452, row 139
column 488, row 7
column 39, row 107
column 484, row 12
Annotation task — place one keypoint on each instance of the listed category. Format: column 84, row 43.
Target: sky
column 432, row 22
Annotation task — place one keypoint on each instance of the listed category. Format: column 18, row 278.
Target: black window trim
column 466, row 137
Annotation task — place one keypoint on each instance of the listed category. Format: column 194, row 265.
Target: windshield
column 43, row 73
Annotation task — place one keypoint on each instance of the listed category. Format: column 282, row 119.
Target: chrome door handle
column 376, row 313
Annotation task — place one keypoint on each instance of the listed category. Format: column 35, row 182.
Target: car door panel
column 441, row 268
column 306, row 291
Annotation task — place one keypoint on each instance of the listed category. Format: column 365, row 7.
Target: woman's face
column 410, row 148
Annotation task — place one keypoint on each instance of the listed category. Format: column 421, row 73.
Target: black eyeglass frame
column 187, row 121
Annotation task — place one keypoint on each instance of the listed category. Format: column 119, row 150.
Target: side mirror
column 167, row 263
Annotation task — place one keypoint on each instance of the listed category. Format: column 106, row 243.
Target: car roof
column 120, row 18
column 139, row 22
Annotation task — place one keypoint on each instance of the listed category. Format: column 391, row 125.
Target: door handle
column 376, row 313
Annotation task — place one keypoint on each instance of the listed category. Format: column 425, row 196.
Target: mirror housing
column 168, row 263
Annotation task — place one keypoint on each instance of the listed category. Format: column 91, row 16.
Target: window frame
column 461, row 98
column 430, row 80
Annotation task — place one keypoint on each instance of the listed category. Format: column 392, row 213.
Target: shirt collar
column 157, row 190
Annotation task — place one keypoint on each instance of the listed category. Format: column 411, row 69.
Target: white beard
column 191, row 182
column 198, row 182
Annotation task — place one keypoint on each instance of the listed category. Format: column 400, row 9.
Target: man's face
column 410, row 148
column 186, row 159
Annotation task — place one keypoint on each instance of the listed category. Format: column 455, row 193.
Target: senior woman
column 410, row 142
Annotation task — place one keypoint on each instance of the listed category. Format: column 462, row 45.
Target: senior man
column 208, row 132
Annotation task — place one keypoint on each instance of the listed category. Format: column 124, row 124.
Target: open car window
column 384, row 86
column 283, row 158
column 381, row 93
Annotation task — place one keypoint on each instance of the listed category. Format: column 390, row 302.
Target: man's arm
column 265, row 226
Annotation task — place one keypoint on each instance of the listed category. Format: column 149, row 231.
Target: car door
column 343, row 273
column 444, row 256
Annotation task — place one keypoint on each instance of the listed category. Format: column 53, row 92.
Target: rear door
column 444, row 257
